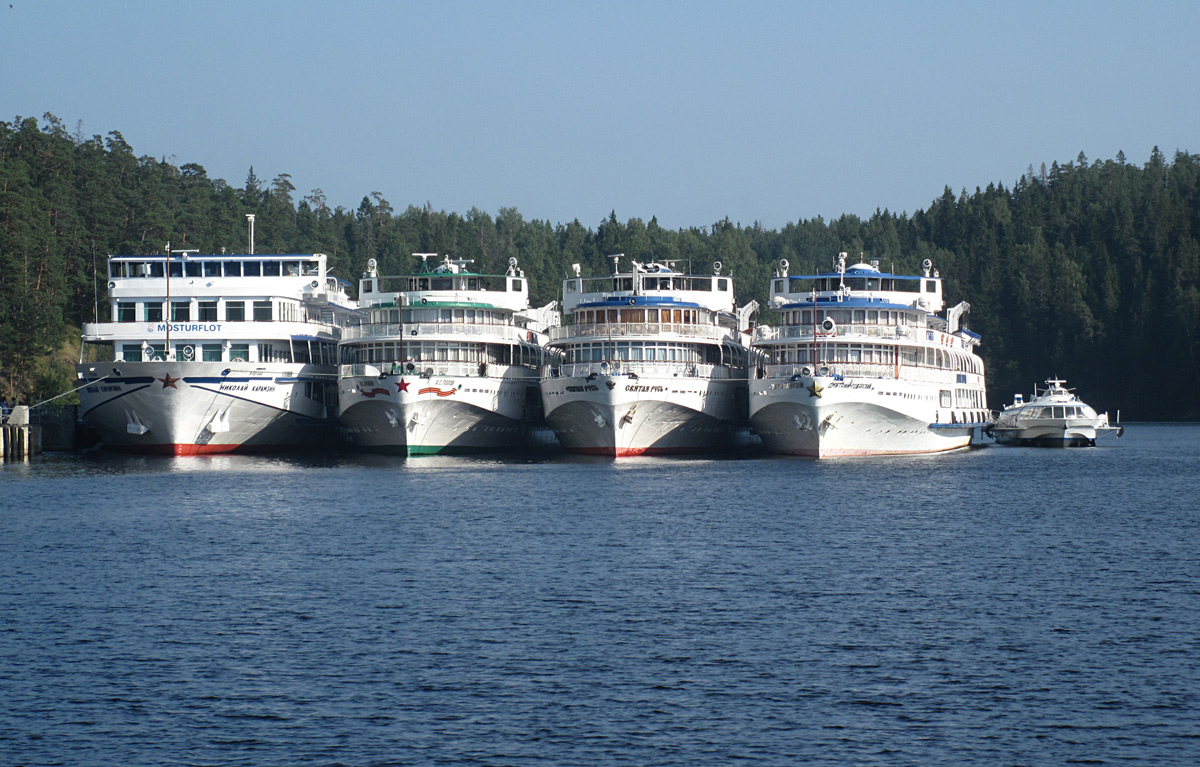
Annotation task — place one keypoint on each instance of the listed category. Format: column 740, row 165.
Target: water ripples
column 994, row 606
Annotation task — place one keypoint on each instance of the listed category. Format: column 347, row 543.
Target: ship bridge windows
column 252, row 268
column 212, row 268
column 233, row 268
column 271, row 269
column 441, row 283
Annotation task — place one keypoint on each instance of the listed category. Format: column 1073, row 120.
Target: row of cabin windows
column 448, row 282
column 1057, row 411
column 467, row 316
column 624, row 284
column 387, row 352
column 804, row 317
column 943, row 359
column 675, row 316
column 827, row 284
column 195, row 268
column 319, row 352
column 644, row 351
column 207, row 311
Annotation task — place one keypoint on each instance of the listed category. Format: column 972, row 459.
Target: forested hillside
column 1087, row 270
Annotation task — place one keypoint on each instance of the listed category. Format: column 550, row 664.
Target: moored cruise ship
column 863, row 364
column 446, row 361
column 214, row 354
column 649, row 361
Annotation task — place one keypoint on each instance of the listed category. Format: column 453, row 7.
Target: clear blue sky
column 688, row 111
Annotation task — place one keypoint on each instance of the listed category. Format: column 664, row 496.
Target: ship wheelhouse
column 444, row 320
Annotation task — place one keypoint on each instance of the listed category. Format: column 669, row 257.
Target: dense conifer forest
column 1087, row 270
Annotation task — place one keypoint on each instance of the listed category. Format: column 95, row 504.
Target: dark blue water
column 996, row 606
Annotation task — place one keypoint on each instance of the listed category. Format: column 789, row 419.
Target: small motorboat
column 1053, row 417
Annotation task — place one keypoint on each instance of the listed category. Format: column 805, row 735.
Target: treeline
column 1087, row 271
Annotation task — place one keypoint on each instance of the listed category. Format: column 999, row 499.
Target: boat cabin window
column 1058, row 412
column 239, row 352
column 291, row 268
column 252, row 268
column 126, row 311
column 233, row 268
column 193, row 268
column 235, row 311
column 930, row 286
column 212, row 268
column 153, row 312
column 722, row 284
column 207, row 311
column 210, row 352
column 441, row 283
column 947, row 399
column 262, row 311
column 271, row 269
column 181, row 311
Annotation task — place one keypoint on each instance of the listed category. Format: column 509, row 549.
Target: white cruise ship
column 446, row 362
column 214, row 354
column 863, row 364
column 649, row 362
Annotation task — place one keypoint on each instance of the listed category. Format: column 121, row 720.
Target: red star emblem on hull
column 402, row 386
column 167, row 380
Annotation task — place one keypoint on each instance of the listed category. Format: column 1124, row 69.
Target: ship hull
column 846, row 418
column 646, row 416
column 403, row 415
column 1047, row 435
column 199, row 408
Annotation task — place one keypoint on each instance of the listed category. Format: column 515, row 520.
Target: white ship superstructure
column 446, row 361
column 649, row 361
column 863, row 364
column 214, row 354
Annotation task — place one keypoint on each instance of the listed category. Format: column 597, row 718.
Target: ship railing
column 807, row 332
column 637, row 368
column 844, row 369
column 427, row 369
column 653, row 329
column 419, row 330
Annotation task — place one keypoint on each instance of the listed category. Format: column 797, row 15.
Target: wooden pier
column 18, row 438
